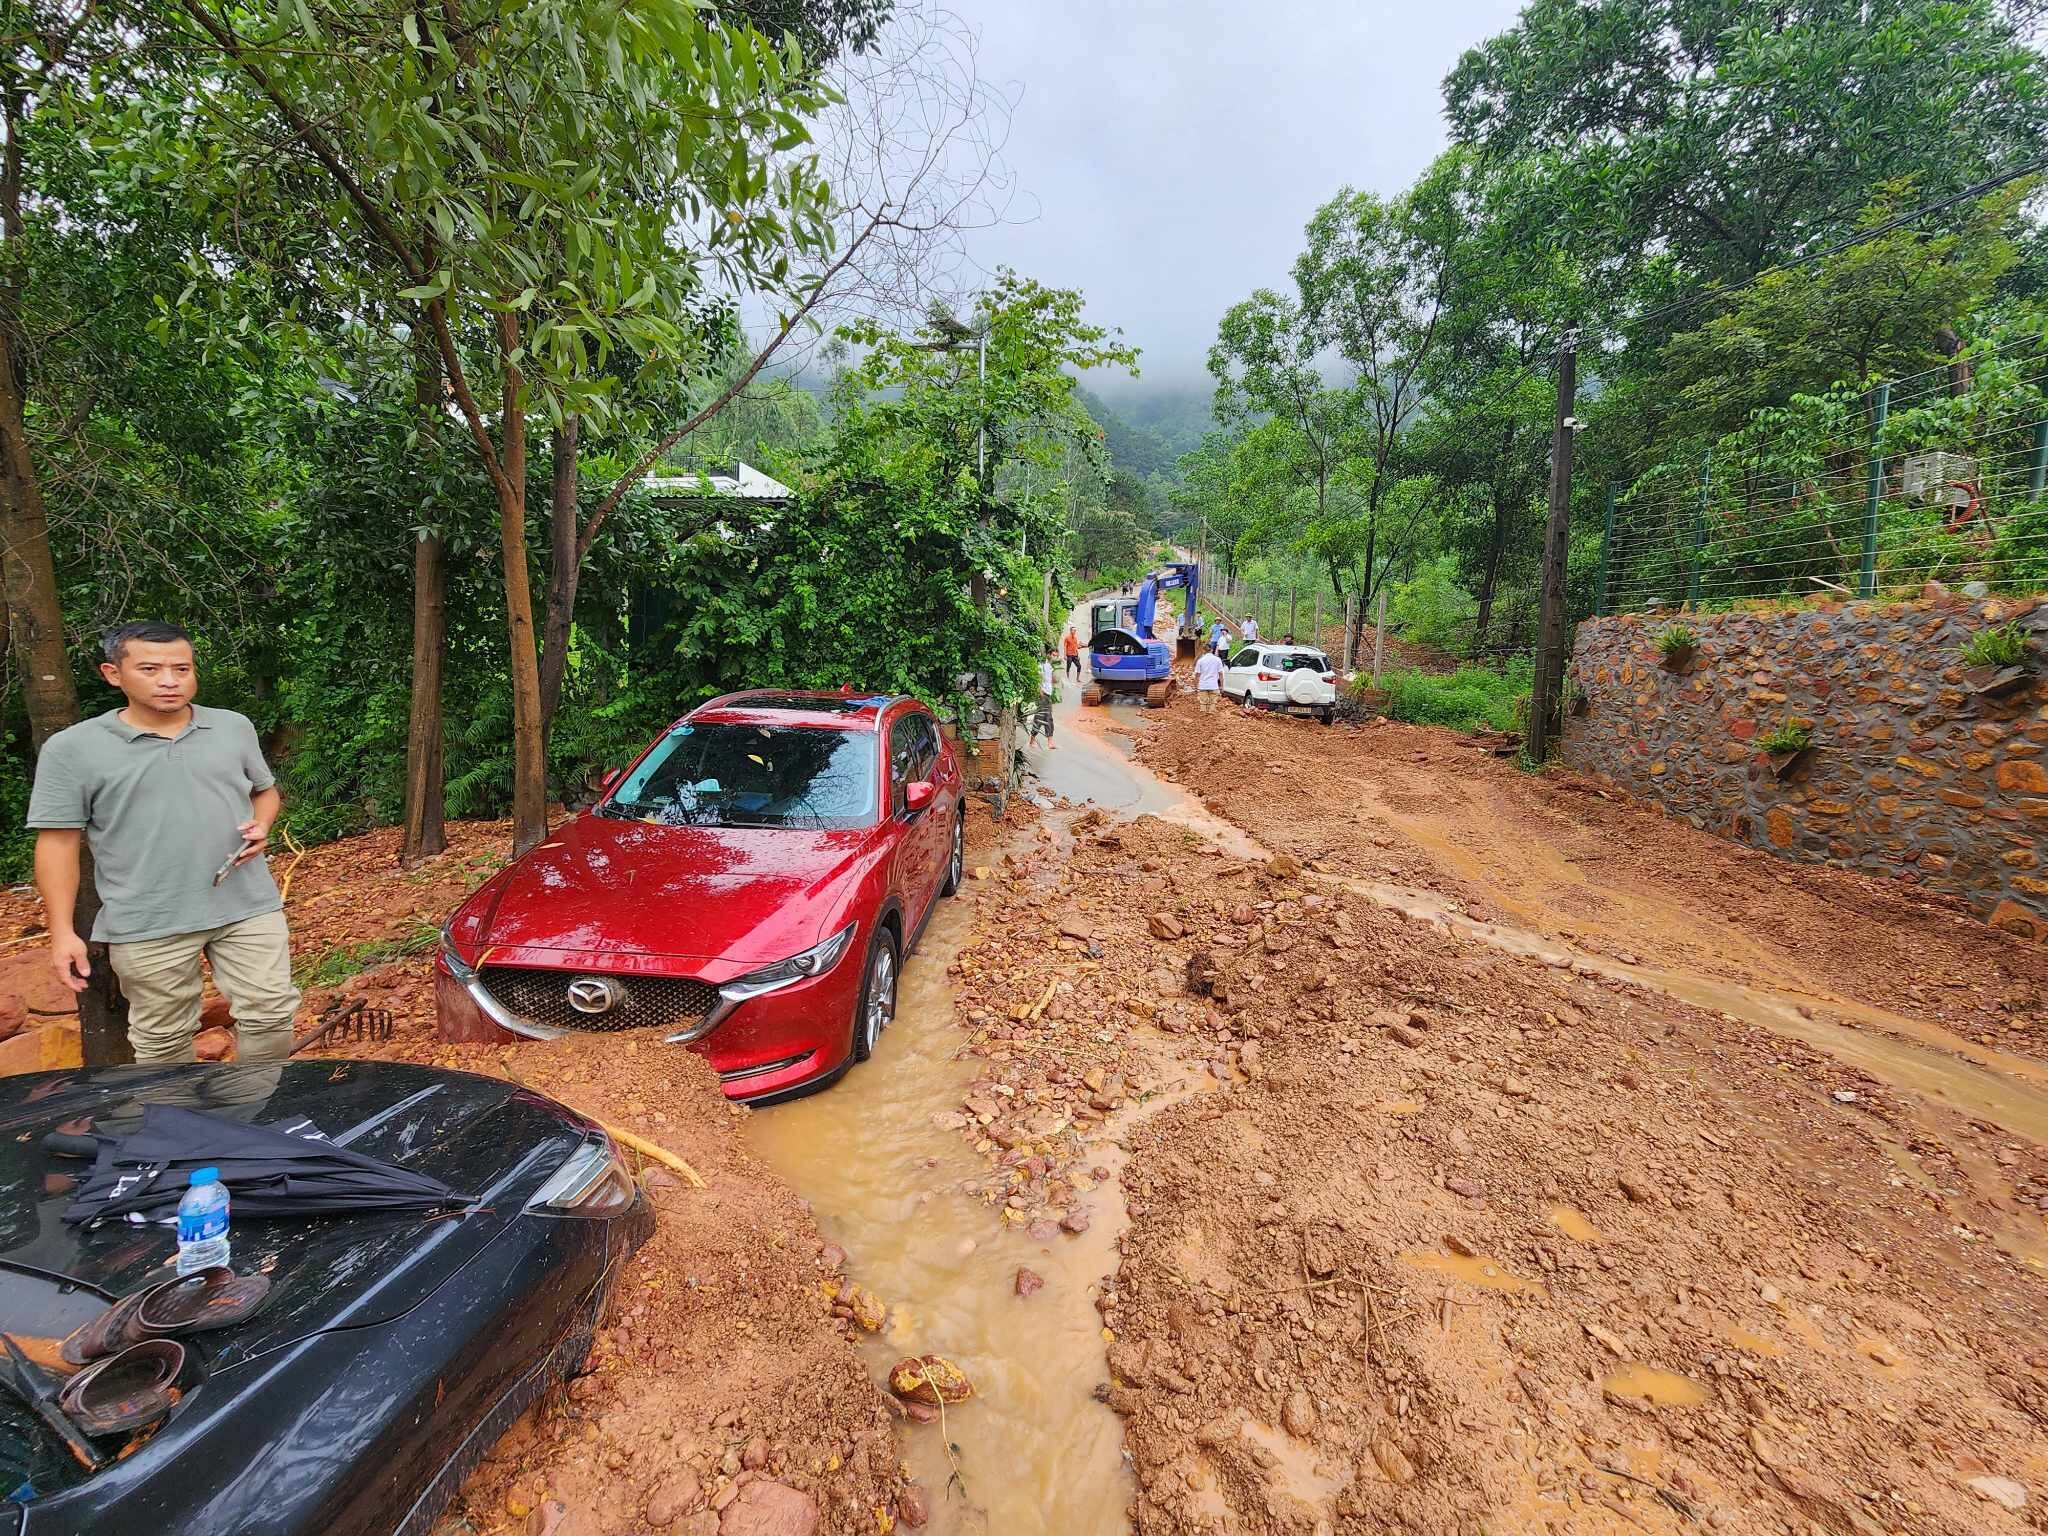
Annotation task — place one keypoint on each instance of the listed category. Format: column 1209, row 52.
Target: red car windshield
column 710, row 775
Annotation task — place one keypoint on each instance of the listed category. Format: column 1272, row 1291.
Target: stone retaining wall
column 1912, row 777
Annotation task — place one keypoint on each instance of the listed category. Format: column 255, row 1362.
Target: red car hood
column 602, row 886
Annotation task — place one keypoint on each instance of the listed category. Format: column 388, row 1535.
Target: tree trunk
column 529, row 759
column 563, row 573
column 35, row 624
column 102, row 1009
column 425, row 781
column 425, row 835
column 1365, row 581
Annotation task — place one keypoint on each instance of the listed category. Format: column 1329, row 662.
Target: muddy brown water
column 1034, row 1452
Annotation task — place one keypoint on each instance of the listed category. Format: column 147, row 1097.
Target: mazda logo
column 594, row 994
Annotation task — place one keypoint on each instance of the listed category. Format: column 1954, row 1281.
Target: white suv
column 1295, row 678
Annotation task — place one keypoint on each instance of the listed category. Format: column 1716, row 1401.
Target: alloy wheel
column 881, row 996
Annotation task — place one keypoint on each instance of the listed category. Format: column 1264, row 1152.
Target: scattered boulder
column 1298, row 1415
column 215, row 1013
column 1075, row 1221
column 670, row 1500
column 769, row 1509
column 13, row 1015
column 914, row 1507
column 1403, row 1035
column 1283, row 866
column 213, row 1044
column 1028, row 1280
column 1638, row 1189
column 1391, row 1460
column 1164, row 925
column 929, row 1379
column 1075, row 926
column 866, row 1308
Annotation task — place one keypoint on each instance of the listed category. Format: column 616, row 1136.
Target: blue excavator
column 1125, row 654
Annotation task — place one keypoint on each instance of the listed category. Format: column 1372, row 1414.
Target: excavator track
column 1092, row 694
column 1157, row 694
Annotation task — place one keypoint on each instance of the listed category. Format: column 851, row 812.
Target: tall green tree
column 1701, row 140
column 546, row 181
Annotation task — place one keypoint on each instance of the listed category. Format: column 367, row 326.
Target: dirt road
column 1573, row 1170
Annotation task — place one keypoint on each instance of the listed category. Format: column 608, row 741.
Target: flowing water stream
column 1036, row 1453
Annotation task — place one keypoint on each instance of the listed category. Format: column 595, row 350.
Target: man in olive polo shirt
column 166, row 792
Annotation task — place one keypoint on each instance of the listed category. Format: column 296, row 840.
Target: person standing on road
column 1218, row 633
column 1249, row 629
column 1208, row 681
column 1072, row 646
column 1041, row 722
column 176, row 803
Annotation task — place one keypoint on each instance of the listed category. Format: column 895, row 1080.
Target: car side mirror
column 918, row 795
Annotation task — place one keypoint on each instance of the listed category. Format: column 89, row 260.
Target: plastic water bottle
column 203, row 1222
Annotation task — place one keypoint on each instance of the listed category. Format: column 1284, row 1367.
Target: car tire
column 1327, row 716
column 956, row 861
column 878, row 980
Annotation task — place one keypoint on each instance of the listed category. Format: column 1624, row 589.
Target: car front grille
column 644, row 1002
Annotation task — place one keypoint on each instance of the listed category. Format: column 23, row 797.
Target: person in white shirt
column 1041, row 722
column 1249, row 630
column 1208, row 681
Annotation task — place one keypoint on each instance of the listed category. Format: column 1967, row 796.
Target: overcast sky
column 1169, row 152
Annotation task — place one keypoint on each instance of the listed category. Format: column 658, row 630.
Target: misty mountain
column 1147, row 431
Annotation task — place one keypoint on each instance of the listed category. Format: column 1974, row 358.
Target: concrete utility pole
column 1379, row 639
column 1550, row 626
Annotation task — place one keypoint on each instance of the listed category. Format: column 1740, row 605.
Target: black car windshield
column 1299, row 661
column 723, row 775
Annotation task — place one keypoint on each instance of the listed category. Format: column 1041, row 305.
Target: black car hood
column 481, row 1136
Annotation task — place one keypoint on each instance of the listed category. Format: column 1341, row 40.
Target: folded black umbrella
column 269, row 1172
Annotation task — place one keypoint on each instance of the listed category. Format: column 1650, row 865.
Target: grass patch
column 2002, row 645
column 1676, row 641
column 1469, row 699
column 1787, row 738
column 333, row 966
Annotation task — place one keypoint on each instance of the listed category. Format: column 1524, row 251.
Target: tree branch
column 654, row 455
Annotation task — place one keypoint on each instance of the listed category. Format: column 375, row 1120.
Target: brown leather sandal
column 127, row 1391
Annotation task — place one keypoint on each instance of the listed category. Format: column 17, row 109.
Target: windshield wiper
column 21, row 1378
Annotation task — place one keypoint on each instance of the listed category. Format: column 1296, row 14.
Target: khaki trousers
column 252, row 966
column 1206, row 699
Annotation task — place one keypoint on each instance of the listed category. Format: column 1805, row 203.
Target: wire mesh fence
column 1941, row 475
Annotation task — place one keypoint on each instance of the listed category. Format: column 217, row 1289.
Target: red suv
column 750, row 886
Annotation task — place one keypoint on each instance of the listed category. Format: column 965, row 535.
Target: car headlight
column 594, row 1181
column 815, row 961
column 452, row 955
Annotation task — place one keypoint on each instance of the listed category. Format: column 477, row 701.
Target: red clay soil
column 1427, row 1237
column 1559, row 855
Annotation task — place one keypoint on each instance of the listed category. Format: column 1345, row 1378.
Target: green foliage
column 333, row 966
column 1469, row 699
column 1999, row 645
column 1431, row 608
column 1676, row 641
column 1789, row 737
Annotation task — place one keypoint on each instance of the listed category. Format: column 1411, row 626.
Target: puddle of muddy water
column 1037, row 1454
column 1573, row 1224
column 1487, row 1274
column 1661, row 1388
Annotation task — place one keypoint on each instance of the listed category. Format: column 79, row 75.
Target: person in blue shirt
column 1217, row 635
